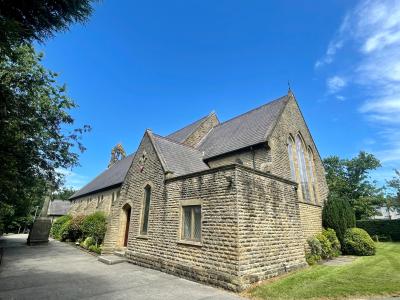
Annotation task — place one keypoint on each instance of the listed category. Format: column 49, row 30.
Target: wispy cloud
column 72, row 179
column 335, row 84
column 371, row 32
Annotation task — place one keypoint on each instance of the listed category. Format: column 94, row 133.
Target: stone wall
column 214, row 260
column 292, row 123
column 132, row 193
column 270, row 235
column 201, row 131
column 258, row 158
column 100, row 201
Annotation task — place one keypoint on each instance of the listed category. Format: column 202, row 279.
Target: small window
column 191, row 223
column 291, row 159
column 112, row 197
column 145, row 210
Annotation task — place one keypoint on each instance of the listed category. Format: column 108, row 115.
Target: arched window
column 301, row 162
column 145, row 210
column 312, row 174
column 291, row 152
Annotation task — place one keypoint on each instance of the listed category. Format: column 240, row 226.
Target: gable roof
column 182, row 134
column 177, row 158
column 248, row 129
column 113, row 176
column 58, row 207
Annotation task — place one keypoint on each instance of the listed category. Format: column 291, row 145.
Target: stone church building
column 226, row 203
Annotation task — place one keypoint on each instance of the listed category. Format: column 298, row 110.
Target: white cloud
column 335, row 84
column 370, row 34
column 72, row 179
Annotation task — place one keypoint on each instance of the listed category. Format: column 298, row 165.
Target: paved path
column 60, row 271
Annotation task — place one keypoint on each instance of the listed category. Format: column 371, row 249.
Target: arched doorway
column 126, row 219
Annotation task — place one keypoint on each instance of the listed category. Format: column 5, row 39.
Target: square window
column 191, row 223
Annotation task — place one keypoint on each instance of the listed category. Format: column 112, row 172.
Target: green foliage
column 95, row 248
column 26, row 21
column 313, row 255
column 63, row 194
column 89, row 241
column 94, row 226
column 348, row 179
column 330, row 234
column 358, row 242
column 36, row 141
column 74, row 229
column 338, row 215
column 326, row 247
column 383, row 229
column 57, row 227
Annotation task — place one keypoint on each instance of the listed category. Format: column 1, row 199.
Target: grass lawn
column 366, row 276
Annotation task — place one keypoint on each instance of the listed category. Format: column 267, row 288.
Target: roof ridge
column 254, row 109
column 201, row 120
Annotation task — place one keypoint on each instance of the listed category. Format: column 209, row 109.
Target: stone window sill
column 143, row 237
column 190, row 243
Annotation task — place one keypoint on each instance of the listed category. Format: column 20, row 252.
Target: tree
column 117, row 153
column 338, row 215
column 392, row 200
column 35, row 134
column 63, row 193
column 22, row 21
column 348, row 178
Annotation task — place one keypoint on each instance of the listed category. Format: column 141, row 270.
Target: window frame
column 147, row 190
column 313, row 174
column 302, row 168
column 193, row 204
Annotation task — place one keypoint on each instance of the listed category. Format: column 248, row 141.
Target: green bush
column 75, row 229
column 384, row 230
column 358, row 242
column 330, row 234
column 338, row 215
column 96, row 249
column 89, row 241
column 313, row 255
column 94, row 225
column 56, row 228
column 326, row 247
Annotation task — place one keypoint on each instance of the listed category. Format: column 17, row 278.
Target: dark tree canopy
column 35, row 134
column 25, row 21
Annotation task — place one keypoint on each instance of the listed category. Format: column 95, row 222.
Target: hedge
column 388, row 229
column 358, row 242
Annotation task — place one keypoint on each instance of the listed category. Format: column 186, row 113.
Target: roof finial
column 289, row 89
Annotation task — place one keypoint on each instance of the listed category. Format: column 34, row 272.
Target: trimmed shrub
column 313, row 255
column 56, row 231
column 338, row 215
column 384, row 230
column 74, row 230
column 358, row 242
column 330, row 234
column 326, row 247
column 94, row 225
column 65, row 230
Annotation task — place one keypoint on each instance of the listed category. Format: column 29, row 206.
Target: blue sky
column 163, row 64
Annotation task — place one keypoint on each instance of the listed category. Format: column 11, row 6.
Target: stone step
column 111, row 259
column 120, row 253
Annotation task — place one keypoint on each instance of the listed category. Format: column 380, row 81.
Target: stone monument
column 40, row 230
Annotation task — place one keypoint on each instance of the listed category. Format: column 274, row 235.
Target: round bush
column 314, row 251
column 326, row 247
column 358, row 242
column 57, row 226
column 94, row 225
column 338, row 215
column 89, row 241
column 65, row 230
column 330, row 234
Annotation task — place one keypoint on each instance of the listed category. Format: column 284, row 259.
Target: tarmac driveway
column 60, row 271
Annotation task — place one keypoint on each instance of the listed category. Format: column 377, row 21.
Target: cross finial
column 289, row 89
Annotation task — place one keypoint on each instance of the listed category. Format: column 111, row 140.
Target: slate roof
column 251, row 128
column 178, row 158
column 113, row 176
column 182, row 134
column 58, row 207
